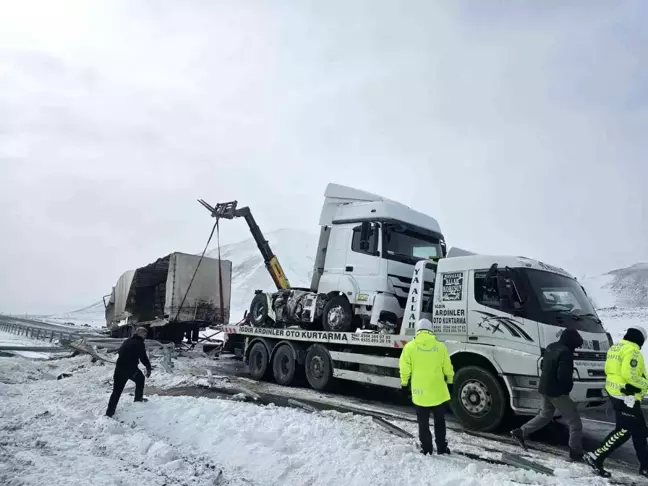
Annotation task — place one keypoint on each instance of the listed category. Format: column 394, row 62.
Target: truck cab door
column 363, row 256
column 493, row 322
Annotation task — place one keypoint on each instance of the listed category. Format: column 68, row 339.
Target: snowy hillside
column 92, row 315
column 625, row 287
column 295, row 251
column 621, row 298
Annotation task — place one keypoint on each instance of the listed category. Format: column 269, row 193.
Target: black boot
column 593, row 461
column 575, row 456
column 427, row 450
column 141, row 400
column 443, row 449
column 518, row 436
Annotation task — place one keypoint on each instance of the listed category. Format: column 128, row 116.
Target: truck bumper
column 526, row 400
column 589, row 394
column 385, row 302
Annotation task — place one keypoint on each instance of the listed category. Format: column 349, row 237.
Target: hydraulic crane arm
column 228, row 210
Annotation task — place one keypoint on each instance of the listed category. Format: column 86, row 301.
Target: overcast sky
column 521, row 126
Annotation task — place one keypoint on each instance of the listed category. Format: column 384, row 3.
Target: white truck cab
column 367, row 250
column 497, row 314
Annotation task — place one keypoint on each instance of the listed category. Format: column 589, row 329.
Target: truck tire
column 337, row 315
column 319, row 369
column 259, row 310
column 258, row 361
column 284, row 365
column 478, row 399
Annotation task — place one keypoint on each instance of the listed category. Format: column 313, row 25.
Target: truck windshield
column 561, row 301
column 407, row 245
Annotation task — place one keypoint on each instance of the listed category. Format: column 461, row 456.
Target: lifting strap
column 220, row 275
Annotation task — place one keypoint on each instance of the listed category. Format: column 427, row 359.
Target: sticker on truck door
column 450, row 310
column 452, row 287
column 493, row 323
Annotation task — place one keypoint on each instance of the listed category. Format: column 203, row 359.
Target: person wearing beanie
column 426, row 374
column 626, row 383
column 131, row 352
column 556, row 382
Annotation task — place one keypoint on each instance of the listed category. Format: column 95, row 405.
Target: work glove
column 630, row 389
column 629, row 401
column 405, row 391
column 148, row 372
column 450, row 387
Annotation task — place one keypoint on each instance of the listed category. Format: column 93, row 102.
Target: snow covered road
column 53, row 432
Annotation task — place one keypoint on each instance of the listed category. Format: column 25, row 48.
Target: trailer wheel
column 284, row 365
column 259, row 310
column 479, row 399
column 319, row 370
column 258, row 361
column 337, row 315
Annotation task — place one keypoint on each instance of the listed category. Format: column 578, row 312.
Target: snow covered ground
column 54, row 432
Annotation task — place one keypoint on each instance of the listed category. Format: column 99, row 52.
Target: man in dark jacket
column 556, row 382
column 131, row 352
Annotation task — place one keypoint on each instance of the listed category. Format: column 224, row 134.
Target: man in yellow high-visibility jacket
column 626, row 383
column 426, row 372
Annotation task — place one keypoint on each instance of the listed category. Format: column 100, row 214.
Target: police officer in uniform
column 427, row 373
column 626, row 383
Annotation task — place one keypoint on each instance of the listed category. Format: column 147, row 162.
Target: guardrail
column 34, row 332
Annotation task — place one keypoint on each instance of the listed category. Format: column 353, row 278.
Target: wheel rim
column 475, row 398
column 335, row 317
column 258, row 313
column 316, row 367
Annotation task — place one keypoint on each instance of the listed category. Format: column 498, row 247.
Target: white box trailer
column 495, row 314
column 175, row 294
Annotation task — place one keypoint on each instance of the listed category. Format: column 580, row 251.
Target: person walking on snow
column 131, row 352
column 427, row 373
column 626, row 382
column 556, row 382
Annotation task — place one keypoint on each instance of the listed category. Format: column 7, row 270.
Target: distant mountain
column 624, row 287
column 91, row 315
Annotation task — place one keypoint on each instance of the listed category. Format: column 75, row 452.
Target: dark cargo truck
column 176, row 295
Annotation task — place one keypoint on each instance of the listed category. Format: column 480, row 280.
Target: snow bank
column 53, row 432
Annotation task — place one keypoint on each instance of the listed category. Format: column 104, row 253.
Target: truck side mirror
column 506, row 291
column 365, row 231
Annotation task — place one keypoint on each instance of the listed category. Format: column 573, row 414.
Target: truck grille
column 590, row 355
column 595, row 373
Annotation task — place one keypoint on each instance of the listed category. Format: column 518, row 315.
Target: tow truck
column 496, row 314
